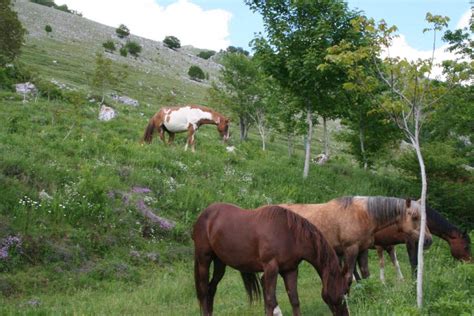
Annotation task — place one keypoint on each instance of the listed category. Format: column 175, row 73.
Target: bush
column 133, row 48
column 48, row 28
column 122, row 31
column 109, row 46
column 206, row 54
column 196, row 73
column 172, row 42
column 124, row 51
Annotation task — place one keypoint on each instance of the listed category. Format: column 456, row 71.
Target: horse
column 185, row 118
column 459, row 243
column 272, row 240
column 350, row 223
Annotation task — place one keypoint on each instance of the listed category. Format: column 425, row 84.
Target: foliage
column 123, row 51
column 206, row 54
column 236, row 50
column 103, row 75
column 11, row 33
column 196, row 73
column 52, row 4
column 133, row 48
column 172, row 42
column 48, row 28
column 122, row 31
column 109, row 46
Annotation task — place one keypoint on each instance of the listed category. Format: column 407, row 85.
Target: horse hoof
column 277, row 311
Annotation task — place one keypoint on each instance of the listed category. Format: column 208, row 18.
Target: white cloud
column 183, row 19
column 401, row 48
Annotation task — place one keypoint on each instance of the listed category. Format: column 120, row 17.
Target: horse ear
column 408, row 203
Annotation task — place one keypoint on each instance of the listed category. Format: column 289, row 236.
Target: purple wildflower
column 141, row 190
column 7, row 243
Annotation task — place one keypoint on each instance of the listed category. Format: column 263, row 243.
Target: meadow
column 72, row 189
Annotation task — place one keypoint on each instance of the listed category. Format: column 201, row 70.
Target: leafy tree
column 206, row 54
column 172, row 42
column 298, row 36
column 109, row 46
column 237, row 50
column 103, row 76
column 122, row 31
column 196, row 73
column 133, row 48
column 11, row 33
column 48, row 29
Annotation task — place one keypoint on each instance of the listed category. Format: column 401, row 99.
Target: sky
column 216, row 24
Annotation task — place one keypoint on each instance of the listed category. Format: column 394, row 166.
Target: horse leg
column 291, row 280
column 276, row 311
column 201, row 276
column 363, row 261
column 350, row 258
column 381, row 263
column 412, row 249
column 218, row 273
column 171, row 138
column 393, row 256
column 161, row 132
column 190, row 142
column 270, row 272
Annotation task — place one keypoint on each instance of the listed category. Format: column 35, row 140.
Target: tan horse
column 185, row 118
column 349, row 223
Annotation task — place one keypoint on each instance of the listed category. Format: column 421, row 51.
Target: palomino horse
column 185, row 118
column 349, row 223
column 459, row 243
column 271, row 239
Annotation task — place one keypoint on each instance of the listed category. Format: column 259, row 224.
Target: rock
column 125, row 100
column 320, row 159
column 25, row 88
column 106, row 113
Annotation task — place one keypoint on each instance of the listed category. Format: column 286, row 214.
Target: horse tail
column 148, row 136
column 252, row 286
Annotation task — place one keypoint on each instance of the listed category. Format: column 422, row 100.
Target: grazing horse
column 350, row 223
column 459, row 243
column 271, row 239
column 185, row 118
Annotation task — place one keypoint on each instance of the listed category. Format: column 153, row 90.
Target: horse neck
column 440, row 227
column 324, row 260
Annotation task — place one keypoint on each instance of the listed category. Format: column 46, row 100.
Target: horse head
column 411, row 223
column 460, row 245
column 223, row 128
column 335, row 294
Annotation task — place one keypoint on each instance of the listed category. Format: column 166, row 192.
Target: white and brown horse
column 185, row 118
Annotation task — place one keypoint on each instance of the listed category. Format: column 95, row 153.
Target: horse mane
column 438, row 224
column 301, row 227
column 382, row 209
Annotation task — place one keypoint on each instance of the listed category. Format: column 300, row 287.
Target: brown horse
column 271, row 239
column 459, row 243
column 349, row 223
column 185, row 118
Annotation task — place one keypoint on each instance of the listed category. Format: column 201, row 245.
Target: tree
column 298, row 36
column 133, row 48
column 48, row 29
column 196, row 73
column 237, row 50
column 206, row 54
column 11, row 33
column 122, row 31
column 103, row 75
column 172, row 42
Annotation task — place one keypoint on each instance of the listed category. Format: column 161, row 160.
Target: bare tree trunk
column 326, row 137
column 362, row 148
column 290, row 144
column 309, row 137
column 243, row 135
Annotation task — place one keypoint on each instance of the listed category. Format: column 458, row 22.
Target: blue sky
column 407, row 15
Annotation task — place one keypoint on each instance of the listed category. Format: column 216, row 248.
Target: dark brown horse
column 185, row 118
column 271, row 239
column 350, row 223
column 459, row 243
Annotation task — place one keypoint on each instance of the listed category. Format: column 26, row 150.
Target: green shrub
column 48, row 28
column 133, row 48
column 206, row 54
column 109, row 46
column 122, row 31
column 123, row 51
column 196, row 73
column 172, row 42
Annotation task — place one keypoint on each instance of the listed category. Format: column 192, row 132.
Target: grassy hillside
column 72, row 190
